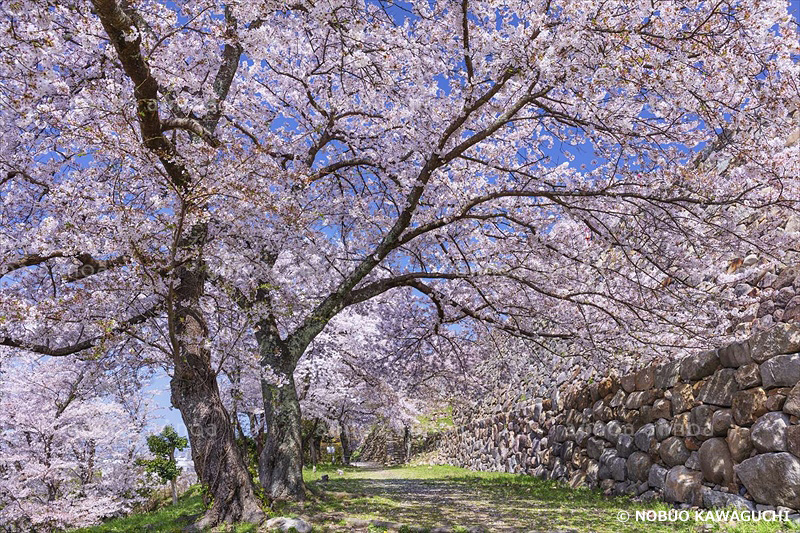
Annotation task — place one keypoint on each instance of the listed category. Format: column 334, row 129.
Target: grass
column 429, row 496
column 419, row 498
column 168, row 519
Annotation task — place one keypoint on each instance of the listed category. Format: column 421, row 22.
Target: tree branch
column 81, row 346
column 126, row 39
column 190, row 125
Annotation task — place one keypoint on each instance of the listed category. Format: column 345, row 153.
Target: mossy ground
column 419, row 498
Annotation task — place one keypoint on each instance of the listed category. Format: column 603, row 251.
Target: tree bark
column 280, row 467
column 316, row 448
column 345, row 443
column 217, row 458
column 407, row 443
column 173, row 486
column 308, row 444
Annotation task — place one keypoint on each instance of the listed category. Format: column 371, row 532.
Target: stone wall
column 385, row 445
column 714, row 429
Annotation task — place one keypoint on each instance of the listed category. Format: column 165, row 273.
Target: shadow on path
column 516, row 504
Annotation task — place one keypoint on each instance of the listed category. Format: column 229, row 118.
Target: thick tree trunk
column 217, row 459
column 280, row 466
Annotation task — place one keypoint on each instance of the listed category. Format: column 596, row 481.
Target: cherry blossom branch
column 89, row 265
column 193, row 126
column 81, row 346
column 126, row 39
column 11, row 174
column 231, row 54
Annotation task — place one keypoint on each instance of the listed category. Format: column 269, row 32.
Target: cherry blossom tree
column 355, row 371
column 441, row 178
column 67, row 445
column 164, row 161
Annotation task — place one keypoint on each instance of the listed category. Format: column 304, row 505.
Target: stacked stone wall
column 385, row 445
column 719, row 428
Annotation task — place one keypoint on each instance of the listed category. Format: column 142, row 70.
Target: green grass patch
column 436, row 421
column 428, row 496
column 420, row 497
column 168, row 519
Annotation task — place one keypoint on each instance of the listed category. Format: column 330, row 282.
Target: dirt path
column 394, row 498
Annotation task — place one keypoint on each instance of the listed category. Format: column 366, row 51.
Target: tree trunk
column 308, row 444
column 280, row 467
column 407, row 443
column 316, row 448
column 173, row 485
column 217, row 459
column 345, row 443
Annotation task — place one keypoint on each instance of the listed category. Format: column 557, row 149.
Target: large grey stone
column 619, row 398
column 618, row 468
column 702, row 418
column 637, row 399
column 748, row 405
column 781, row 339
column 792, row 311
column 662, row 408
column 772, row 478
column 673, row 451
column 628, row 382
column 595, row 447
column 613, row 430
column 769, row 432
column 793, row 440
column 739, row 443
column 656, row 476
column 581, row 436
column 735, row 355
column 638, row 465
column 715, row 498
column 781, row 371
column 607, row 455
column 682, row 425
column 792, row 405
column 644, row 437
column 604, row 471
column 716, row 462
column 748, row 376
column 721, row 422
column 567, row 450
column 288, row 524
column 720, row 388
column 696, row 367
column 663, row 429
column 645, row 378
column 559, row 433
column 625, row 445
column 667, row 375
column 683, row 485
column 682, row 398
